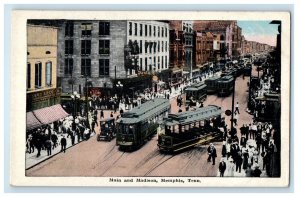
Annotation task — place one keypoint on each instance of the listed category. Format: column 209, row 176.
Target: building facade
column 226, row 31
column 41, row 83
column 181, row 50
column 204, row 48
column 104, row 52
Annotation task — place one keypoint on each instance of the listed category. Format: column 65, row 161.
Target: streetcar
column 225, row 85
column 195, row 93
column 107, row 130
column 188, row 129
column 137, row 126
column 248, row 69
column 212, row 84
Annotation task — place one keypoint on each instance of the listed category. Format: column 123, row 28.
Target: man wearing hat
column 212, row 153
column 256, row 172
column 222, row 168
column 63, row 143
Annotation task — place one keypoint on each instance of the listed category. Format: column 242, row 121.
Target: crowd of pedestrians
column 253, row 153
column 53, row 136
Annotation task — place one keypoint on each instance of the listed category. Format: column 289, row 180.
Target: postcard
column 150, row 98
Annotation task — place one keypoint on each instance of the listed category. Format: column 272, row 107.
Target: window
column 130, row 28
column 150, row 30
column 86, row 29
column 28, row 75
column 135, row 29
column 162, row 32
column 141, row 29
column 158, row 33
column 141, row 46
column 146, row 46
column 154, row 30
column 141, row 64
column 68, row 47
column 38, row 75
column 104, row 47
column 85, row 47
column 166, row 64
column 146, row 30
column 104, row 67
column 162, row 62
column 86, row 67
column 162, row 46
column 158, row 46
column 154, row 47
column 68, row 66
column 166, row 32
column 49, row 73
column 146, row 64
column 166, row 47
column 104, row 28
column 158, row 62
column 69, row 29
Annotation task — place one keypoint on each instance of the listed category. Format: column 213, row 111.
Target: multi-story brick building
column 204, row 47
column 42, row 89
column 224, row 28
column 181, row 49
column 109, row 51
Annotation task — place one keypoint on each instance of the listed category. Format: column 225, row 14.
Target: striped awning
column 32, row 122
column 50, row 114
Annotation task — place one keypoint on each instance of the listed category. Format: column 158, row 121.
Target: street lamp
column 86, row 100
column 119, row 85
column 74, row 97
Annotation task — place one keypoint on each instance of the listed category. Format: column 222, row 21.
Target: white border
column 18, row 95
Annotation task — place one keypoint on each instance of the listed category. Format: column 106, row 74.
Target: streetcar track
column 107, row 154
column 159, row 165
column 147, row 158
column 110, row 166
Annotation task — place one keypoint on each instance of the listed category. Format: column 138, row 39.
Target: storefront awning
column 32, row 122
column 50, row 114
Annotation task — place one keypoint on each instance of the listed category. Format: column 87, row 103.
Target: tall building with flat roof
column 105, row 52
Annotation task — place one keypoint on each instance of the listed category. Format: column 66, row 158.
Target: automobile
column 107, row 130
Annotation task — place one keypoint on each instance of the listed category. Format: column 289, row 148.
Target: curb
column 52, row 155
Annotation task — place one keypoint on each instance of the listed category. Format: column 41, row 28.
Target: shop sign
column 94, row 91
column 43, row 95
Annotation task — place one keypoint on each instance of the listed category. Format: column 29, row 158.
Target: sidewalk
column 32, row 160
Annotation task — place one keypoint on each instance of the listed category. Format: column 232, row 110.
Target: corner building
column 41, row 83
column 105, row 52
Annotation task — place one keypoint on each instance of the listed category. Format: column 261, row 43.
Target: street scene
column 153, row 98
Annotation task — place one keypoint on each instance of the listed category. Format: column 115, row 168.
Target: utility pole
column 232, row 104
column 86, row 102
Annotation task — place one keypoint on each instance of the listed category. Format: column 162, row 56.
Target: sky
column 260, row 31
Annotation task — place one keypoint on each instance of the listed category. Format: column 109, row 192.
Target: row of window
column 104, row 47
column 150, row 63
column 147, row 30
column 152, row 46
column 86, row 46
column 86, row 29
column 86, row 67
column 38, row 74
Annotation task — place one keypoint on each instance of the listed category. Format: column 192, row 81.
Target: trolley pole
column 232, row 104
